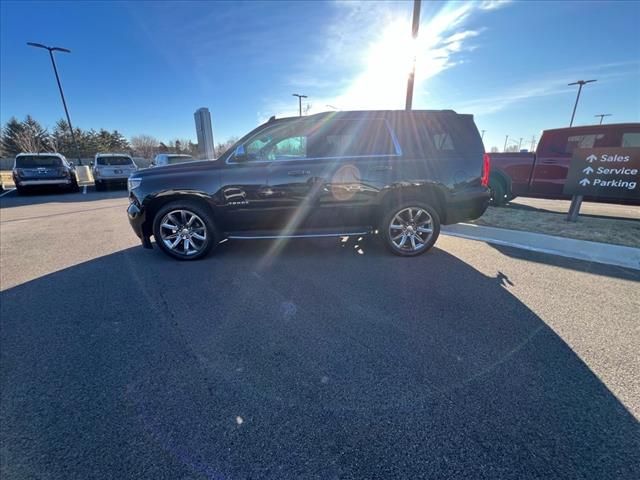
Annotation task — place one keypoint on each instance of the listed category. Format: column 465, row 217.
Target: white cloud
column 548, row 85
column 493, row 4
column 369, row 48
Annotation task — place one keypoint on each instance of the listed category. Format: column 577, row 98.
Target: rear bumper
column 136, row 220
column 466, row 205
column 114, row 179
column 52, row 181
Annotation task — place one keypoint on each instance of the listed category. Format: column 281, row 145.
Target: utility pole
column 414, row 34
column 602, row 115
column 64, row 103
column 520, row 144
column 506, row 139
column 482, row 136
column 300, row 97
column 533, row 143
column 580, row 83
column 576, row 200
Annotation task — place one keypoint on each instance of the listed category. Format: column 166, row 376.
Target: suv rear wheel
column 411, row 228
column 184, row 230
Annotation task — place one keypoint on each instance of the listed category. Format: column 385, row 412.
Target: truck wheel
column 498, row 193
column 410, row 228
column 185, row 230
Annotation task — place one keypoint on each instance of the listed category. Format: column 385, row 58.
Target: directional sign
column 604, row 173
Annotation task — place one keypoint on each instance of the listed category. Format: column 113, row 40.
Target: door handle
column 382, row 168
column 298, row 173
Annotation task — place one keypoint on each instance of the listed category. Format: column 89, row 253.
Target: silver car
column 112, row 168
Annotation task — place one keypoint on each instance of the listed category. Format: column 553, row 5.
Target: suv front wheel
column 410, row 229
column 184, row 230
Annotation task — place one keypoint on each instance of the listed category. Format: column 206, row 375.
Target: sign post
column 602, row 172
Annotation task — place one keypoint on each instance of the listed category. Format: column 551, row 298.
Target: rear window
column 631, row 139
column 564, row 143
column 114, row 161
column 178, row 159
column 32, row 161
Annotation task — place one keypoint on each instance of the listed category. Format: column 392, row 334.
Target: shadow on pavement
column 40, row 196
column 569, row 263
column 330, row 360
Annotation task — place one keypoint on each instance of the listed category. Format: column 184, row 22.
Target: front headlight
column 133, row 183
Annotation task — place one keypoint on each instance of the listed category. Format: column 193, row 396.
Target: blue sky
column 144, row 67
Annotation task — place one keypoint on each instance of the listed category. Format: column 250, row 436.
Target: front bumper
column 466, row 205
column 136, row 216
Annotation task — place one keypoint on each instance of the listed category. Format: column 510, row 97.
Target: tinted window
column 631, row 139
column 441, row 135
column 114, row 161
column 351, row 138
column 325, row 138
column 37, row 161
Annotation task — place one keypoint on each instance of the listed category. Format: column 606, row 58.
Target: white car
column 112, row 168
column 170, row 158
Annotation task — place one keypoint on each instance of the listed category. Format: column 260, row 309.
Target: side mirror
column 71, row 164
column 239, row 153
column 91, row 163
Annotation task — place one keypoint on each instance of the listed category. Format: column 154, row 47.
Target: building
column 204, row 132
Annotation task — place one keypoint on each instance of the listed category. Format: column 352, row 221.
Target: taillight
column 486, row 167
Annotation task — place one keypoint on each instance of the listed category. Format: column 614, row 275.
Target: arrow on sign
column 584, row 182
column 588, row 170
column 591, row 158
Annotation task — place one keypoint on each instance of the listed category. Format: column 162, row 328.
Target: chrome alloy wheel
column 183, row 231
column 411, row 229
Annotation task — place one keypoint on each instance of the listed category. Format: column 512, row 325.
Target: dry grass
column 605, row 230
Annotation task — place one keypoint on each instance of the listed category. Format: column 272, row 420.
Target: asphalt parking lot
column 306, row 359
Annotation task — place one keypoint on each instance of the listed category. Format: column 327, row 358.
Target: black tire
column 74, row 187
column 99, row 186
column 498, row 192
column 204, row 217
column 21, row 190
column 408, row 251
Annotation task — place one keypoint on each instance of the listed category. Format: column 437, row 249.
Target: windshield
column 38, row 161
column 179, row 158
column 119, row 161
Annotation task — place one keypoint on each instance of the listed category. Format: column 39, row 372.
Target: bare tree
column 144, row 145
column 223, row 147
column 494, row 150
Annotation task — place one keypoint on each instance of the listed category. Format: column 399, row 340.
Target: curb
column 620, row 256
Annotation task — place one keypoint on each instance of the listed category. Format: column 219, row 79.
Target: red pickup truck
column 543, row 173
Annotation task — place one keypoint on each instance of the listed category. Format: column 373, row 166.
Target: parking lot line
column 8, row 191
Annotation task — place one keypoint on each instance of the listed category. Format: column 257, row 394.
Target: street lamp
column 300, row 97
column 580, row 83
column 415, row 26
column 602, row 115
column 64, row 103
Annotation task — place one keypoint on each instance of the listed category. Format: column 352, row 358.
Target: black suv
column 397, row 173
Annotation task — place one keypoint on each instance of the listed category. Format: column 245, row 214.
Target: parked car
column 169, row 159
column 543, row 173
column 400, row 173
column 112, row 168
column 32, row 170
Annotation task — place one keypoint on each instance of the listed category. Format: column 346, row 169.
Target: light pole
column 414, row 33
column 602, row 115
column 300, row 97
column 580, row 83
column 64, row 103
column 482, row 136
column 506, row 139
column 331, row 106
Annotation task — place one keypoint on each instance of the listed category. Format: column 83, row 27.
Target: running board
column 266, row 236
